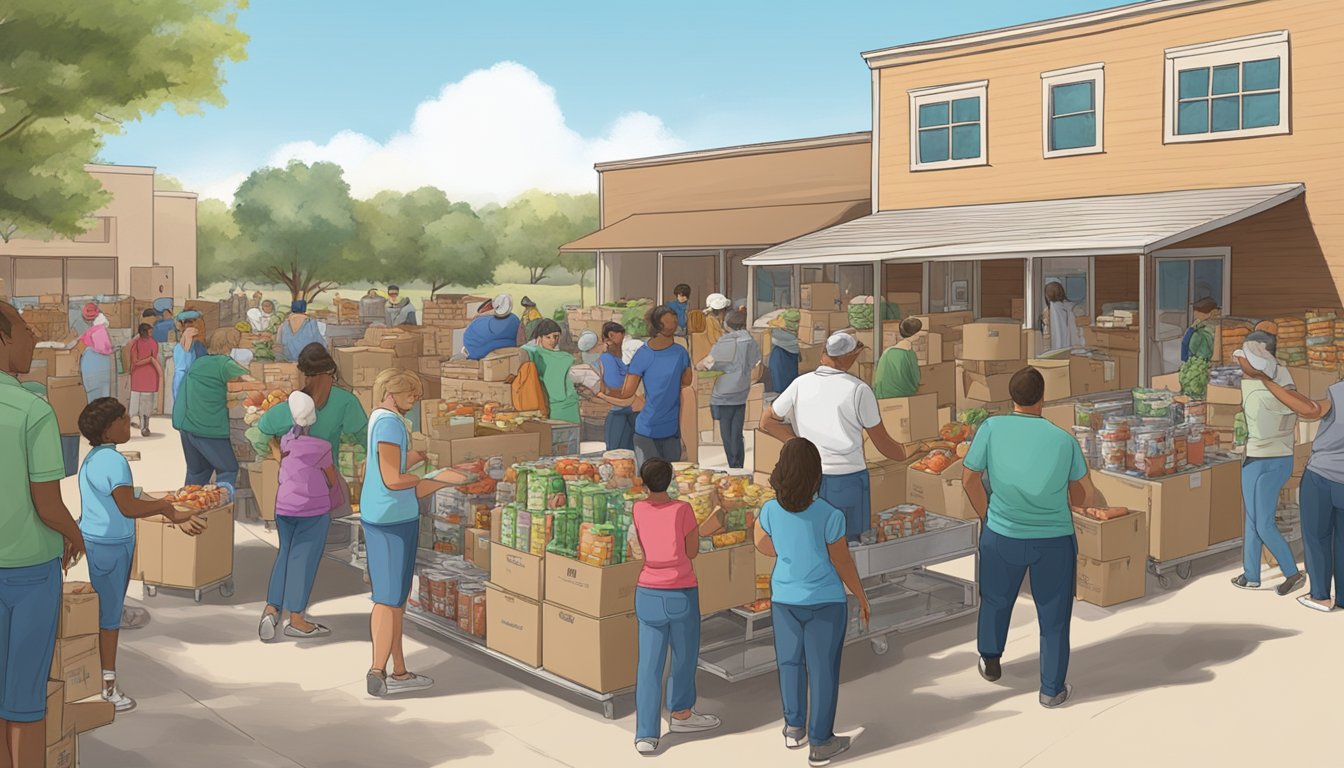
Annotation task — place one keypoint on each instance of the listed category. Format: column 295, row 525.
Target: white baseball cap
column 841, row 344
column 587, row 340
column 717, row 301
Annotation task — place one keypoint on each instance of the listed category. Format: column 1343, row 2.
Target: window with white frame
column 1229, row 89
column 1073, row 102
column 948, row 126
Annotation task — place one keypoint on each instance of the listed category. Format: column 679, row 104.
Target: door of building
column 1183, row 278
column 698, row 270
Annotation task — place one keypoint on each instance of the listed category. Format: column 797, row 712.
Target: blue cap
column 162, row 303
column 299, row 307
column 190, row 314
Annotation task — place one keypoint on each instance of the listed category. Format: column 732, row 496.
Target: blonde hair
column 224, row 340
column 395, row 381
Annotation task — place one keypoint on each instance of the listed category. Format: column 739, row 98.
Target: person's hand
column 193, row 525
column 73, row 552
column 865, row 611
column 414, row 457
column 1249, row 370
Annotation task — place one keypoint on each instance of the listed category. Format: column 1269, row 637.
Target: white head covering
column 841, row 344
column 257, row 319
column 101, row 319
column 242, row 356
column 302, row 409
column 587, row 340
column 503, row 304
column 717, row 301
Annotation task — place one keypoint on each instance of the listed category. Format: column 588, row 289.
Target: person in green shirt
column 1037, row 471
column 38, row 538
column 338, row 411
column 201, row 413
column 553, row 366
column 897, row 373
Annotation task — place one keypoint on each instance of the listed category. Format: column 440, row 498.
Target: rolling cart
column 1184, row 566
column 224, row 585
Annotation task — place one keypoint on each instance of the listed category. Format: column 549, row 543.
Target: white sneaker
column 693, row 724
column 646, row 747
column 794, row 738
column 119, row 701
column 268, row 628
column 413, row 683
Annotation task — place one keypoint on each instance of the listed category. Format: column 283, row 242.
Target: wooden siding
column 1001, row 281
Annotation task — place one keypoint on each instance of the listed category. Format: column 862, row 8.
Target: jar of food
column 1087, row 441
column 1194, row 446
column 1179, row 450
column 1083, row 414
column 1113, row 455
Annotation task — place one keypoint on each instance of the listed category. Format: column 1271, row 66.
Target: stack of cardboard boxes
column 938, row 347
column 50, row 321
column 444, row 318
column 449, row 440
column 76, row 677
column 992, row 351
column 1112, row 558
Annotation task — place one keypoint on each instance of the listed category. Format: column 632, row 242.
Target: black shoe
column 1291, row 584
column 990, row 669
column 1244, row 583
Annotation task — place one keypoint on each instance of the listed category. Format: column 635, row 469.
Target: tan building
column 1199, row 143
column 139, row 227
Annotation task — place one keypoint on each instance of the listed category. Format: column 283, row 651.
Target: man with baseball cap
column 495, row 327
column 834, row 409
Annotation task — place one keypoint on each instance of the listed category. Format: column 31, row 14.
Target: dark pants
column 302, row 540
column 731, row 418
column 669, row 620
column 1053, row 564
column 666, row 448
column 207, row 457
column 808, row 642
column 1323, row 535
column 619, row 429
column 70, row 454
column 783, row 369
column 852, row 495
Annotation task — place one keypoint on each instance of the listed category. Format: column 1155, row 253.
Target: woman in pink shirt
column 667, row 606
column 146, row 375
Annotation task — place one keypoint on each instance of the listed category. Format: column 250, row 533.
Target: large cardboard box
column 517, row 572
column 85, row 716
column 79, row 610
column 1169, row 381
column 60, row 362
column 360, row 366
column 600, row 654
column 477, row 549
column 1227, row 516
column 264, row 477
column 1107, row 583
column 67, row 398
column 1223, row 395
column 1093, row 375
column 1312, row 382
column 1115, row 339
column 513, row 625
column 949, row 324
column 941, row 494
column 1221, row 415
column 76, row 663
column 555, row 438
column 476, row 391
column 1062, row 415
column 55, row 717
column 513, row 447
column 590, row 589
column 1056, row 375
column 63, row 754
column 501, row 364
column 940, row 380
column 886, row 484
column 168, row 557
column 814, row 326
column 992, row 367
column 727, row 578
column 910, row 419
column 990, row 389
column 990, row 340
column 820, row 297
column 1178, row 508
column 1112, row 539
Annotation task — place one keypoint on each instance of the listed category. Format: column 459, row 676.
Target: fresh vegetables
column 200, row 497
column 973, row 417
column 936, row 462
column 263, row 350
column 1194, row 377
column 861, row 313
column 956, row 432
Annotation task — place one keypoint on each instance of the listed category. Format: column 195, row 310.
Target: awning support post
column 1144, row 347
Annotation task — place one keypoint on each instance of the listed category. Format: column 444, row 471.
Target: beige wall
column 175, row 239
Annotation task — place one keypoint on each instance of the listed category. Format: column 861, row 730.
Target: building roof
column 743, row 150
column 131, row 170
column 1090, row 226
column 724, row 228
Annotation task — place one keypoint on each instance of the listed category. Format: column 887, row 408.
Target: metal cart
column 905, row 596
column 1184, row 566
column 224, row 585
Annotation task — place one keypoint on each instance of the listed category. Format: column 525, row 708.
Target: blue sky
column 696, row 74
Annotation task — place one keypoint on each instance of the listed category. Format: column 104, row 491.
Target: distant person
column 588, row 344
column 190, row 327
column 1037, row 472
column 109, row 508
column 399, row 309
column 1062, row 317
column 664, row 368
column 146, row 378
column 619, row 429
column 165, row 327
column 806, row 536
column 1198, row 340
column 201, row 413
column 38, row 539
column 495, row 327
column 338, row 410
column 898, row 373
column 737, row 356
column 680, row 304
column 554, row 367
column 96, row 367
column 716, row 312
column 531, row 316
column 784, row 350
column 298, row 331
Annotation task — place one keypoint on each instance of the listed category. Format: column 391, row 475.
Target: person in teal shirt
column 1036, row 471
column 338, row 411
column 201, row 413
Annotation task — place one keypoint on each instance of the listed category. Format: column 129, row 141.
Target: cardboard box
column 85, row 716
column 360, row 366
column 1118, row 339
column 809, row 357
column 1223, row 395
column 600, row 654
column 1169, row 381
column 429, row 365
column 477, row 550
column 727, row 578
column 60, row 362
column 78, row 666
column 63, row 753
column 1108, row 540
column 513, row 625
column 68, row 399
column 501, row 364
column 910, row 419
column 887, row 484
column 55, row 717
column 814, row 326
column 822, row 297
column 476, row 391
column 1221, row 415
column 1107, row 583
column 79, row 610
column 1301, row 455
column 517, row 572
column 941, row 494
column 949, row 324
column 993, row 367
column 1177, row 506
column 1089, row 375
column 1056, row 375
column 941, row 381
column 1227, row 516
column 556, row 438
column 1312, row 382
column 989, row 340
column 589, row 589
column 168, row 557
column 1062, row 415
column 975, row 386
column 264, row 478
column 513, row 447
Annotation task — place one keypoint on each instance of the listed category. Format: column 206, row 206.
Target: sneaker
column 1244, row 583
column 1291, row 584
column 823, row 754
column 376, row 683
column 144, row 432
column 794, row 738
column 1056, row 701
column 268, row 627
column 119, row 701
column 134, row 618
column 412, row 682
column 646, row 747
column 693, row 724
column 318, row 630
column 990, row 669
column 1315, row 606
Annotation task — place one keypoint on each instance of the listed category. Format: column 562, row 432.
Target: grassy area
column 548, row 297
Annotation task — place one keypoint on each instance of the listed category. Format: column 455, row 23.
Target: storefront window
column 774, row 289
column 854, row 280
column 952, row 286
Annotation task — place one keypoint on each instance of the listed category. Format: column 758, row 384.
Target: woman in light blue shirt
column 806, row 536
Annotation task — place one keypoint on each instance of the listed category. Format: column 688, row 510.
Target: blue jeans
column 209, row 457
column 391, row 558
column 783, row 369
column 1053, row 563
column 110, row 574
column 1323, row 535
column 619, row 429
column 668, row 618
column 852, row 495
column 302, row 540
column 731, row 418
column 1261, row 481
column 666, row 448
column 70, row 454
column 30, row 604
column 808, row 642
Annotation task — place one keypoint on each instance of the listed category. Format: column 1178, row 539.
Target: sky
column 487, row 99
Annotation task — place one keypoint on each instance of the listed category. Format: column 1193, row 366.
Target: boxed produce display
column 166, row 556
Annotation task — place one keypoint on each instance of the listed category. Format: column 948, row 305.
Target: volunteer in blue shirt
column 681, row 304
column 108, row 509
column 1037, row 471
column 495, row 327
column 620, row 424
column 664, row 367
column 164, row 327
column 806, row 536
column 190, row 327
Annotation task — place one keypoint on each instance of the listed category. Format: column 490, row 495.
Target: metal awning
column 727, row 228
column 1088, row 226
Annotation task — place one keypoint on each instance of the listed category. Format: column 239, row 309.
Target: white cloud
column 494, row 134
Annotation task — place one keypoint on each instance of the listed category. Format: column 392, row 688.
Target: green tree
column 75, row 71
column 580, row 264
column 221, row 256
column 391, row 226
column 459, row 249
column 531, row 228
column 300, row 222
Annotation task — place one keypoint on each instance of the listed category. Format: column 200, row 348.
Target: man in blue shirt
column 495, row 327
column 1037, row 471
column 620, row 424
column 664, row 367
column 164, row 327
column 681, row 304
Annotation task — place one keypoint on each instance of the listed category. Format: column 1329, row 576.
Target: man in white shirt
column 833, row 409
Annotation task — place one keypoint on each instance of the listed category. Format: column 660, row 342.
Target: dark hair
column 1027, row 387
column 97, row 416
column 682, row 289
column 656, row 474
column 396, row 288
column 143, row 329
column 655, row 318
column 736, row 320
column 149, row 313
column 315, row 360
column 797, row 475
column 1205, row 305
column 609, row 328
column 298, row 307
column 910, row 326
column 1054, row 291
column 7, row 325
column 545, row 327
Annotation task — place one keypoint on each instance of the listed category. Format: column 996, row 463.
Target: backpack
column 528, row 393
